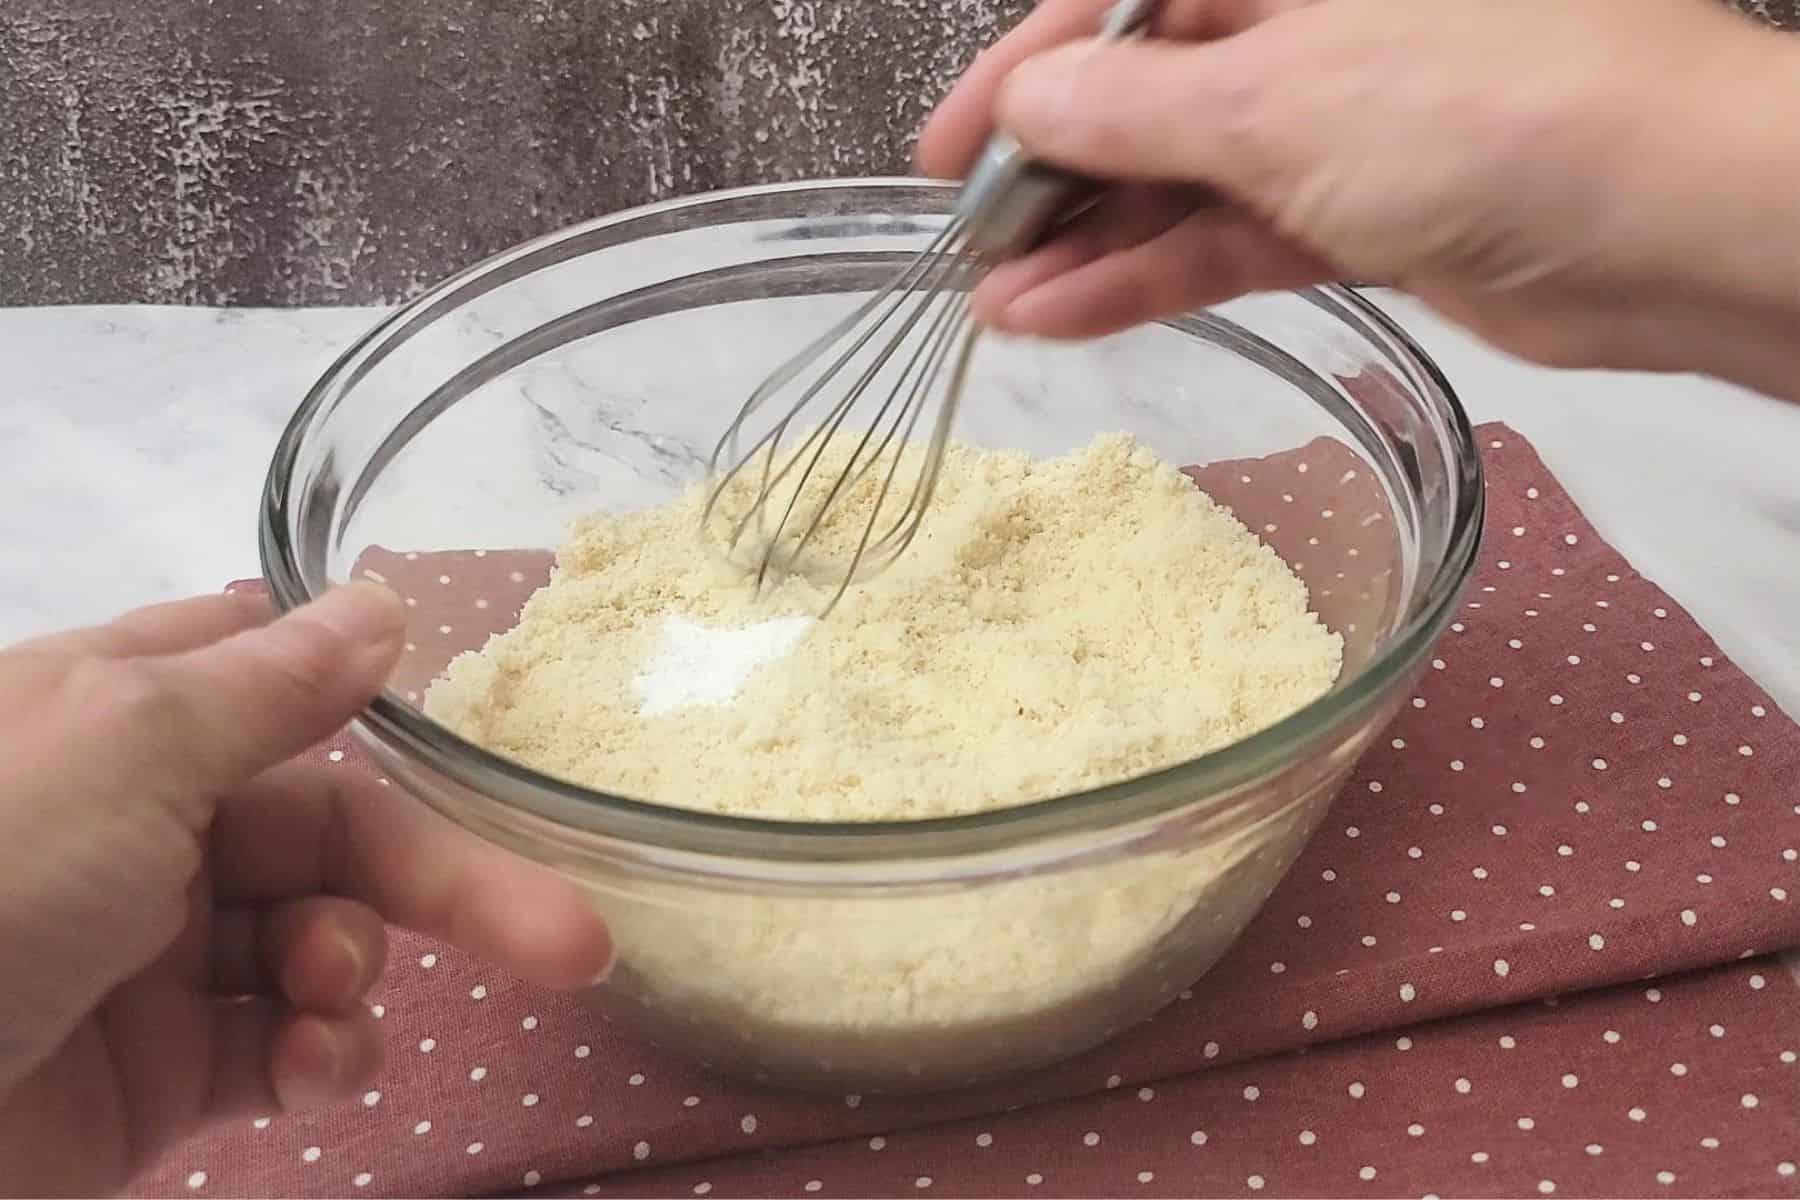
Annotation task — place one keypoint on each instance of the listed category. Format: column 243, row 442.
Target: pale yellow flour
column 1058, row 624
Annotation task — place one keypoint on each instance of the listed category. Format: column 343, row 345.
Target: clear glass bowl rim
column 1215, row 776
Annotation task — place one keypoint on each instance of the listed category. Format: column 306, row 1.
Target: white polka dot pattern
column 1630, row 1129
column 1500, row 844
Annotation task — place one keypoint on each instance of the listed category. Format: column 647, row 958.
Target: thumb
column 1152, row 111
column 225, row 712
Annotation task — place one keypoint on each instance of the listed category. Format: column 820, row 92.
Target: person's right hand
column 1589, row 183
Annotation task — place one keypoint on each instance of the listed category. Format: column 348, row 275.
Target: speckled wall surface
column 349, row 151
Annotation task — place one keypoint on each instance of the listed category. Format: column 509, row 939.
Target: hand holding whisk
column 851, row 496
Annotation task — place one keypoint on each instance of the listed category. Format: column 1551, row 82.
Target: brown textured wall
column 349, row 151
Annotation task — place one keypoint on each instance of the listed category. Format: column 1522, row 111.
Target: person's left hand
column 189, row 918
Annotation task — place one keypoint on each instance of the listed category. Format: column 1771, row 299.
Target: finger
column 170, row 628
column 194, row 723
column 964, row 119
column 185, row 624
column 269, row 1057
column 305, row 828
column 324, row 952
column 1207, row 113
column 319, row 953
column 1209, row 258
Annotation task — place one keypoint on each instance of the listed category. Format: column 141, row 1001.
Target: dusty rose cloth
column 1685, row 1088
column 1583, row 793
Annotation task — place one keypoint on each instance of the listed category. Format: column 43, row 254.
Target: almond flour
column 1058, row 625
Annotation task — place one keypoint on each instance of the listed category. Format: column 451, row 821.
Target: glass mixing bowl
column 593, row 369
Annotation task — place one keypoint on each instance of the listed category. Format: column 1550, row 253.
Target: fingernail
column 356, row 969
column 312, row 1075
column 362, row 612
column 605, row 973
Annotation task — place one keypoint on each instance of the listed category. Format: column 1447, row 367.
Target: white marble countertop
column 135, row 442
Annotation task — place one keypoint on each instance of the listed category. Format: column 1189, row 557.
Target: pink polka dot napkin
column 1582, row 793
column 1685, row 1088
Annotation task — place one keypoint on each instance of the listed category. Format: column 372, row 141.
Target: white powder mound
column 696, row 664
column 1057, row 625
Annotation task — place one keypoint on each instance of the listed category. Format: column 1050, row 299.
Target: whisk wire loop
column 899, row 536
column 794, row 366
column 922, row 311
column 819, row 439
column 1007, row 205
column 912, row 394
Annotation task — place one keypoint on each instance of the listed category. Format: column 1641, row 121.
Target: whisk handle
column 1128, row 18
column 1010, row 200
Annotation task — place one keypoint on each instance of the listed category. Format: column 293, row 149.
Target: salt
column 695, row 664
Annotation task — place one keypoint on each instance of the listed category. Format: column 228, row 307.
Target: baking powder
column 695, row 664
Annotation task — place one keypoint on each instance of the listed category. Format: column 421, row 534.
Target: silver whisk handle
column 1128, row 18
column 1010, row 201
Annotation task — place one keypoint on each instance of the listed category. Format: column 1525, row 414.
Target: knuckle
column 1245, row 109
column 1239, row 104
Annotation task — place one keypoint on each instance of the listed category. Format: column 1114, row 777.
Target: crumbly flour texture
column 1057, row 624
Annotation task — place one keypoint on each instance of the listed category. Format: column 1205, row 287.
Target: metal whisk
column 1006, row 206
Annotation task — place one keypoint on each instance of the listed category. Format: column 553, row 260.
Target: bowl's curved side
column 309, row 499
column 917, row 954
